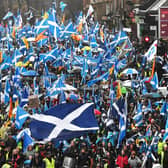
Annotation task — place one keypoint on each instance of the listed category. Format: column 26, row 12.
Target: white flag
column 90, row 11
column 152, row 51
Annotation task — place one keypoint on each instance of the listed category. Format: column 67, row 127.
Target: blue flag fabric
column 102, row 77
column 138, row 118
column 21, row 117
column 7, row 92
column 24, row 97
column 164, row 109
column 118, row 108
column 63, row 122
column 27, row 140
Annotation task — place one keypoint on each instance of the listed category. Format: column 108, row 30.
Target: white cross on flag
column 64, row 121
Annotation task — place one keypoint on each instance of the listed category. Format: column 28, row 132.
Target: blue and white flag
column 102, row 77
column 21, row 116
column 54, row 27
column 123, row 123
column 24, row 98
column 63, row 122
column 27, row 140
column 164, row 109
column 118, row 109
column 7, row 92
column 138, row 118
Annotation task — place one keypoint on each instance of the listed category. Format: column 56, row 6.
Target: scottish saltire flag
column 138, row 118
column 62, row 6
column 93, row 42
column 27, row 140
column 123, row 123
column 50, row 56
column 57, row 86
column 118, row 39
column 18, row 20
column 54, row 28
column 21, row 134
column 67, row 31
column 63, row 122
column 7, row 63
column 102, row 77
column 21, row 116
column 7, row 92
column 16, row 56
column 41, row 26
column 42, row 42
column 122, row 127
column 164, row 109
column 118, row 108
column 96, row 28
column 24, row 98
column 165, row 137
column 150, row 54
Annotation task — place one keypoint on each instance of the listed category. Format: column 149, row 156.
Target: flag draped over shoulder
column 64, row 121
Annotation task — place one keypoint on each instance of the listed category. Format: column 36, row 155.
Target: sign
column 163, row 23
column 33, row 101
column 127, row 29
column 153, row 28
column 141, row 21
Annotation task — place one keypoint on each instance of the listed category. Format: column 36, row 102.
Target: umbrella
column 130, row 71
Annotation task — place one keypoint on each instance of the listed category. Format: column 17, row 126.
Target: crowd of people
column 34, row 72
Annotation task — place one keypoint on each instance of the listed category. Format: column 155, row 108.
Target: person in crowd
column 122, row 160
column 134, row 161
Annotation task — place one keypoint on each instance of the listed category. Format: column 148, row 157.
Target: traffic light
column 147, row 39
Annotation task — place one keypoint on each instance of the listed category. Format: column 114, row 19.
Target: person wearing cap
column 134, row 160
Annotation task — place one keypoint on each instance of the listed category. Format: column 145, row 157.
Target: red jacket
column 122, row 161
